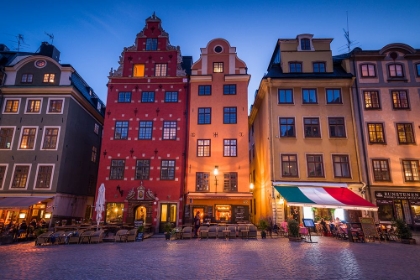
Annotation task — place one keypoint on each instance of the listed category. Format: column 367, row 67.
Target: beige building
column 217, row 172
column 304, row 156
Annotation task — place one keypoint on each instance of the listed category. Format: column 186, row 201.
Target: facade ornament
column 131, row 194
column 140, row 191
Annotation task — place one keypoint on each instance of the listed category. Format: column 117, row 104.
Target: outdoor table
column 226, row 232
column 244, row 233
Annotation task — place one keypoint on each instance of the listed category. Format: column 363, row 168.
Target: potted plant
column 140, row 232
column 168, row 230
column 293, row 230
column 263, row 225
column 404, row 232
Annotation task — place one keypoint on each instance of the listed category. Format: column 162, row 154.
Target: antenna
column 349, row 42
column 20, row 39
column 51, row 37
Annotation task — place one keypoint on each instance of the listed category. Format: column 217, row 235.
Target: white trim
column 5, row 102
column 26, row 106
column 13, row 137
column 349, row 163
column 319, row 123
column 43, row 136
column 48, row 106
column 4, row 177
column 13, row 175
column 345, row 128
column 36, row 176
column 20, row 138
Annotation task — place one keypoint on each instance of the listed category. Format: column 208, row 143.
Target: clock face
column 40, row 63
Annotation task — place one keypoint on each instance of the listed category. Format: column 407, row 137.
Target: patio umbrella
column 100, row 204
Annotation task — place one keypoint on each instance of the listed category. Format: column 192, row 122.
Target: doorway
column 168, row 212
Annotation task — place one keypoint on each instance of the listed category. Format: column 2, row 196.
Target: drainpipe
column 271, row 143
column 184, row 191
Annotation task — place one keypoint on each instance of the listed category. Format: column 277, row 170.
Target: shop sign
column 397, row 195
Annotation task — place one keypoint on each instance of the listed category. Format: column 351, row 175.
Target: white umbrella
column 100, row 204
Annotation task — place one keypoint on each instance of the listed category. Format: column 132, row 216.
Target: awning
column 324, row 197
column 20, row 202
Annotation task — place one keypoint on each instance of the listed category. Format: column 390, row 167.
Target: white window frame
column 62, row 106
column 13, row 137
column 5, row 173
column 27, row 103
column 21, row 134
column 96, row 129
column 44, row 129
column 36, row 176
column 13, row 175
column 5, row 102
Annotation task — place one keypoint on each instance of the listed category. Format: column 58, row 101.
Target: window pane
column 218, row 67
column 334, row 96
column 204, row 90
column 151, row 44
column 285, row 96
column 6, row 135
column 138, row 70
column 309, row 96
column 148, row 97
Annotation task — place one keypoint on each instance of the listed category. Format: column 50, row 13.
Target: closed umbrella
column 100, row 204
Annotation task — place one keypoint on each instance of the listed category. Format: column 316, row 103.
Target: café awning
column 20, row 202
column 324, row 197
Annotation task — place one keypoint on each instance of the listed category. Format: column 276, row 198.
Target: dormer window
column 305, row 44
column 151, row 44
column 295, row 67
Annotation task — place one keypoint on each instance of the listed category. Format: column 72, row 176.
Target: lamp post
column 216, row 172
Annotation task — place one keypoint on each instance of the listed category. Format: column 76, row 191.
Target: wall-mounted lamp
column 216, row 172
column 120, row 190
column 131, row 152
column 251, row 187
column 104, row 153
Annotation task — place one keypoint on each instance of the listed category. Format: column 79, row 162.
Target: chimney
column 49, row 50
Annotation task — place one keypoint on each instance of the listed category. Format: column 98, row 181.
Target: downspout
column 186, row 145
column 271, row 143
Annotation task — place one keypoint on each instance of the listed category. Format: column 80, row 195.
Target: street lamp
column 216, row 172
column 251, row 187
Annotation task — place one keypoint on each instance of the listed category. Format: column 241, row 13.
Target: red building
column 144, row 140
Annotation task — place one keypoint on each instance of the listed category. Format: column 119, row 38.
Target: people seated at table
column 323, row 227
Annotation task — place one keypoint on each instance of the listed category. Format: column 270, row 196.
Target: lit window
column 167, row 170
column 371, row 99
column 151, row 44
column 6, row 137
column 400, row 99
column 381, row 170
column 203, row 147
column 230, row 148
column 20, row 176
column 138, row 70
column 121, row 130
column 171, row 96
column 142, row 169
column 28, row 138
column 50, row 139
column 49, row 78
column 337, row 127
column 411, row 170
column 117, row 169
column 376, row 133
column 169, row 130
column 315, row 166
column 202, row 181
column 217, row 67
column 147, row 97
column 395, row 70
column 44, row 177
column 160, row 70
column 368, row 70
column 55, row 106
column 285, row 96
column 341, row 166
column 309, row 96
column 204, row 90
column 334, row 96
column 124, row 97
column 12, row 106
column 319, row 67
column 94, row 154
column 295, row 67
column 34, row 106
column 27, row 78
column 289, row 166
column 405, row 133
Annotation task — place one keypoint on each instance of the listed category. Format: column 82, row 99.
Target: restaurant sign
column 397, row 195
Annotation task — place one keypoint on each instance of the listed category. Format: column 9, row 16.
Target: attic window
column 151, row 44
column 218, row 49
column 305, row 44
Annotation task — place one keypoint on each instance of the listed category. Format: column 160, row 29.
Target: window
column 124, row 97
column 27, row 78
column 28, row 138
column 411, row 170
column 229, row 115
column 395, row 70
column 12, row 106
column 33, row 106
column 309, row 96
column 295, row 67
column 376, row 133
column 341, row 166
column 171, row 96
column 305, row 44
column 147, row 97
column 334, row 96
column 368, row 70
column 6, row 137
column 50, row 139
column 49, row 78
column 121, row 130
column 169, row 130
column 203, row 147
column 44, row 177
column 285, row 96
column 229, row 89
column 117, row 169
column 311, row 127
column 145, row 130
column 204, row 115
column 337, row 127
column 405, row 133
column 229, row 148
column 418, row 69
column 160, row 69
column 96, row 128
column 287, row 127
column 315, row 166
column 319, row 67
column 202, row 181
column 94, row 154
column 289, row 166
column 138, row 70
column 167, row 170
column 400, row 99
column 230, row 182
column 2, row 175
column 20, row 177
column 381, row 170
column 55, row 106
column 217, row 67
column 142, row 169
column 204, row 90
column 151, row 44
column 371, row 99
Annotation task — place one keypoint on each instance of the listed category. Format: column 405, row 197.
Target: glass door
column 167, row 214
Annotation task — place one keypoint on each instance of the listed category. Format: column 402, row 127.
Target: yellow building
column 303, row 137
column 217, row 172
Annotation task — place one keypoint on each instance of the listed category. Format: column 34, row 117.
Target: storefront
column 17, row 209
column 394, row 205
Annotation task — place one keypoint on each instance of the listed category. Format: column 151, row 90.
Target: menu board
column 209, row 212
column 240, row 213
column 369, row 227
column 187, row 212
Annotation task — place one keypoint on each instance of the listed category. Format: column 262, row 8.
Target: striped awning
column 324, row 197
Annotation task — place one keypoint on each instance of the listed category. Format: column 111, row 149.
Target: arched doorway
column 140, row 214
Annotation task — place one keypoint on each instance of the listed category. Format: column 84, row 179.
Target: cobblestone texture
column 155, row 258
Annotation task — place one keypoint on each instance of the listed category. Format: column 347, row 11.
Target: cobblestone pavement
column 155, row 258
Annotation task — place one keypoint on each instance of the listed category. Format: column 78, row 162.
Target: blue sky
column 91, row 34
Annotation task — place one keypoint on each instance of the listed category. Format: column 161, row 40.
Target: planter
column 295, row 239
column 408, row 241
column 167, row 236
column 263, row 234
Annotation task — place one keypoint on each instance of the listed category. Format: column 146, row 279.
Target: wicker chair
column 43, row 238
column 97, row 236
column 252, row 231
column 85, row 236
column 212, row 232
column 232, row 231
column 187, row 232
column 220, row 233
column 131, row 235
column 121, row 235
column 75, row 236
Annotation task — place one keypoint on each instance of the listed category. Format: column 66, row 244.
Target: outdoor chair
column 252, row 231
column 85, row 236
column 131, row 235
column 121, row 235
column 204, row 231
column 242, row 230
column 58, row 237
column 232, row 231
column 187, row 232
column 43, row 238
column 75, row 236
column 97, row 236
column 220, row 233
column 212, row 232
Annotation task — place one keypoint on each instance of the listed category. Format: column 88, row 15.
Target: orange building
column 217, row 172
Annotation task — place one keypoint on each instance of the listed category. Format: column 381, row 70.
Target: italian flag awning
column 324, row 197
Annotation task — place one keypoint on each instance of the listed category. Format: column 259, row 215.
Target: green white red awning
column 324, row 197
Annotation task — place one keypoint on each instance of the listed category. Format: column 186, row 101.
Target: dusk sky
column 91, row 34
